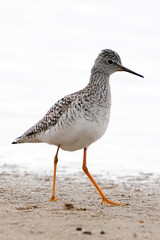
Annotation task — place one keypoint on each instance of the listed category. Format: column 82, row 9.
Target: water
column 47, row 50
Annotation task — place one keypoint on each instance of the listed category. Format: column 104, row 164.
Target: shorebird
column 81, row 118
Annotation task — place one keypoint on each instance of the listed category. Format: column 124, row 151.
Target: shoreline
column 26, row 212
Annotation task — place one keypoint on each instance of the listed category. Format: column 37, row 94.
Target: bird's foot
column 108, row 202
column 53, row 198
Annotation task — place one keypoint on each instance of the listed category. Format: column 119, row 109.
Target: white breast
column 76, row 136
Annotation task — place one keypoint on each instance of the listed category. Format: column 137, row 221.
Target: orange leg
column 54, row 176
column 104, row 198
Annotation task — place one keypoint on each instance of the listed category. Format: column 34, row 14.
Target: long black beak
column 130, row 71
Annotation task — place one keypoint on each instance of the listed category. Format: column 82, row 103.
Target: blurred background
column 47, row 49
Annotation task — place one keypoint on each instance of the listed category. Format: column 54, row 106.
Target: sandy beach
column 47, row 50
column 26, row 212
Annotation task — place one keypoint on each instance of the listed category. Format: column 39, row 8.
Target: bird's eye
column 110, row 61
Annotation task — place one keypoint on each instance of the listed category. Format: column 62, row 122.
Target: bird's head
column 109, row 62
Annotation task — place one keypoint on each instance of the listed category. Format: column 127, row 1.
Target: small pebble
column 134, row 235
column 79, row 229
column 102, row 232
column 87, row 232
column 141, row 221
column 69, row 206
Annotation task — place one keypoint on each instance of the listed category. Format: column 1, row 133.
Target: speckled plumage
column 81, row 118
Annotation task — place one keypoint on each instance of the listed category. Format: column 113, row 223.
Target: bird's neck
column 99, row 88
column 99, row 79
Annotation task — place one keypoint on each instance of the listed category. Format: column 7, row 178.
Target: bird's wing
column 52, row 116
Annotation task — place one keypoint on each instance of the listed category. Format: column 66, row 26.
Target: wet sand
column 26, row 212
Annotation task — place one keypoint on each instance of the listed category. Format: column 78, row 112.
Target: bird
column 81, row 118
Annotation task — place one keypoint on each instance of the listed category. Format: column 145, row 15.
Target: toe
column 108, row 203
column 53, row 199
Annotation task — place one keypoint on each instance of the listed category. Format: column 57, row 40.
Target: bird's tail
column 29, row 136
column 18, row 140
column 26, row 139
